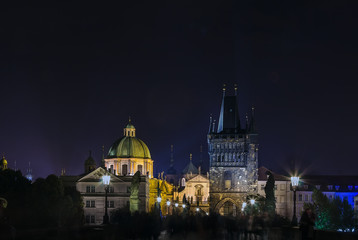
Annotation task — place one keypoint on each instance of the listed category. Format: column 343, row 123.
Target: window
column 93, row 204
column 356, row 203
column 306, row 198
column 330, row 196
column 110, row 204
column 93, row 189
column 282, row 187
column 124, row 169
column 111, row 189
column 282, row 199
column 330, row 187
column 92, row 219
column 262, row 187
column 183, row 182
column 318, row 187
column 88, row 203
column 350, row 187
column 128, row 189
column 300, row 197
column 88, row 189
column 227, row 184
column 356, row 187
column 336, row 187
column 275, row 186
column 305, row 187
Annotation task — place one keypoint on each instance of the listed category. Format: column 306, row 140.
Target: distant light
column 168, row 203
column 176, row 204
column 183, row 205
column 252, row 201
column 159, row 199
column 207, row 213
column 106, row 179
column 295, row 181
column 197, row 209
column 244, row 205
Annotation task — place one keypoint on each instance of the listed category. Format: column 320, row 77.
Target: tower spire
column 171, row 156
column 235, row 88
column 191, row 157
column 252, row 125
column 210, row 123
column 201, row 156
column 247, row 121
column 103, row 162
column 224, row 89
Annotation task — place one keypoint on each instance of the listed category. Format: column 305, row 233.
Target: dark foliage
column 270, row 203
column 45, row 203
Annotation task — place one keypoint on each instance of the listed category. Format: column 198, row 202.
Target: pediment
column 97, row 174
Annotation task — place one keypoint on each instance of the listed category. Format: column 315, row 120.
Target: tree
column 332, row 214
column 270, row 201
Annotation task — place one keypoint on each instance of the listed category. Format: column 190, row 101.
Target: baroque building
column 233, row 156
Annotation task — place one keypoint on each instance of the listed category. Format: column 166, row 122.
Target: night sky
column 71, row 75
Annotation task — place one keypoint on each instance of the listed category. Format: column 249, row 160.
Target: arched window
column 183, row 182
column 124, row 169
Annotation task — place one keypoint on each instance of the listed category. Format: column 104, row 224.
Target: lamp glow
column 295, row 181
column 197, row 209
column 106, row 179
column 176, row 204
column 244, row 205
column 168, row 203
column 159, row 199
column 183, row 205
column 252, row 201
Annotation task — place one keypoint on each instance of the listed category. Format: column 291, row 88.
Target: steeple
column 103, row 162
column 29, row 173
column 171, row 156
column 90, row 163
column 229, row 120
column 252, row 125
column 210, row 124
column 201, row 156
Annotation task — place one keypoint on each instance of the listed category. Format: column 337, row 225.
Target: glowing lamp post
column 106, row 179
column 184, row 206
column 294, row 183
column 176, row 204
column 168, row 205
column 252, row 201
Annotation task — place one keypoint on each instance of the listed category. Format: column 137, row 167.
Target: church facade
column 233, row 156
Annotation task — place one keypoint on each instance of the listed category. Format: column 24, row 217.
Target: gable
column 96, row 176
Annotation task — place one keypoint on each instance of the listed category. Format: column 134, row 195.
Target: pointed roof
column 229, row 120
column 96, row 176
column 190, row 168
column 252, row 125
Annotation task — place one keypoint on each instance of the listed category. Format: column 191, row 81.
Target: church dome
column 129, row 146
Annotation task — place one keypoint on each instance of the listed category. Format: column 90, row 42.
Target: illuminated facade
column 344, row 187
column 129, row 154
column 233, row 153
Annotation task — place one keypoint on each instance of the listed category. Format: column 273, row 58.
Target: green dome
column 129, row 147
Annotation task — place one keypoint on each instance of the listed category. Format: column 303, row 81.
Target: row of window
column 227, row 146
column 92, row 204
column 92, row 189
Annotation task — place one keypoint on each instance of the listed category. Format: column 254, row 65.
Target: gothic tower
column 233, row 153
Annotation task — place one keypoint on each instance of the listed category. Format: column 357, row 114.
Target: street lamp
column 252, row 201
column 106, row 179
column 176, row 204
column 294, row 183
column 183, row 205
